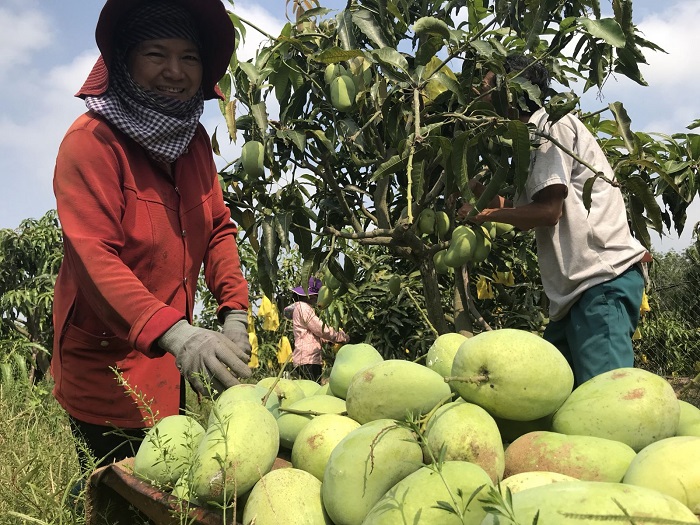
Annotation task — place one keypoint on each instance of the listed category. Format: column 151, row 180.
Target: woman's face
column 171, row 67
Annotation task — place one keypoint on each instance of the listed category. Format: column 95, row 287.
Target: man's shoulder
column 541, row 120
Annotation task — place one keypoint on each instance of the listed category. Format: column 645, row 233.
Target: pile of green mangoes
column 488, row 430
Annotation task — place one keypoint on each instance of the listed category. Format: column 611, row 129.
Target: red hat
column 216, row 32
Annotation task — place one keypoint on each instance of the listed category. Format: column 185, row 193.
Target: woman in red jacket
column 142, row 211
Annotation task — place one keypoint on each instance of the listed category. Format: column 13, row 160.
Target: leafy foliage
column 29, row 260
column 670, row 337
column 419, row 130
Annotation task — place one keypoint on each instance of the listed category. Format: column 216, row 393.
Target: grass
column 38, row 460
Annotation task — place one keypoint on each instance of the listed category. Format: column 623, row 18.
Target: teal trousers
column 595, row 336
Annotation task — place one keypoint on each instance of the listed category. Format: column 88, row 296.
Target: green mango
column 513, row 374
column 288, row 390
column 291, row 423
column 415, row 498
column 309, row 386
column 439, row 262
column 395, row 284
column 325, row 390
column 442, row 352
column 240, row 393
column 325, row 296
column 166, row 451
column 689, row 422
column 364, row 465
column 350, row 359
column 426, row 222
column 442, row 224
column 589, row 503
column 252, row 158
column 330, row 280
column 394, row 389
column 482, row 246
column 467, row 433
column 317, row 439
column 333, row 71
column 234, row 453
column 501, row 228
column 672, row 467
column 586, row 458
column 461, row 249
column 343, row 92
column 286, row 495
column 629, row 405
column 528, row 480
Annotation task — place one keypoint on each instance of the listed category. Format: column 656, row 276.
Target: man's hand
column 235, row 327
column 205, row 356
column 463, row 214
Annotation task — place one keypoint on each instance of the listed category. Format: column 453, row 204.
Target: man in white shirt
column 589, row 260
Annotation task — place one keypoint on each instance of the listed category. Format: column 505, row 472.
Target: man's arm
column 545, row 210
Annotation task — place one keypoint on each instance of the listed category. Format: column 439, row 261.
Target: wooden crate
column 116, row 497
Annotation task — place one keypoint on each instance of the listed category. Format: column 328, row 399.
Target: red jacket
column 135, row 238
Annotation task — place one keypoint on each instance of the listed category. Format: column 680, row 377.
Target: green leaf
column 638, row 222
column 641, row 190
column 365, row 22
column 491, row 190
column 345, row 34
column 587, row 192
column 458, row 162
column 281, row 223
column 225, row 87
column 321, row 136
column 270, row 241
column 695, row 124
column 520, row 136
column 429, row 25
column 297, row 138
column 215, row 143
column 388, row 56
column 252, row 72
column 333, row 55
column 623, row 123
column 259, row 112
column 316, row 11
column 606, row 28
column 394, row 164
column 560, row 105
column 483, row 48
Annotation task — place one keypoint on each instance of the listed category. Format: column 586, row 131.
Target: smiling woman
column 142, row 211
column 171, row 67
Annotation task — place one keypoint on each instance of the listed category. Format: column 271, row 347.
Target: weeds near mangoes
column 38, row 462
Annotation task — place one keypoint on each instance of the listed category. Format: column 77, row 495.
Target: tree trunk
column 431, row 292
column 463, row 322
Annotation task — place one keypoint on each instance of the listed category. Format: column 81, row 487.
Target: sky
column 47, row 48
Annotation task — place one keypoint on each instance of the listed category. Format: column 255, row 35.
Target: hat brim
column 300, row 291
column 215, row 28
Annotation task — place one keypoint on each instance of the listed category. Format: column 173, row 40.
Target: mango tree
column 30, row 256
column 368, row 124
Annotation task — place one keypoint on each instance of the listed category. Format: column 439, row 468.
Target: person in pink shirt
column 310, row 332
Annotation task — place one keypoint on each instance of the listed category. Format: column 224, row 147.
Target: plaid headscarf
column 163, row 125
